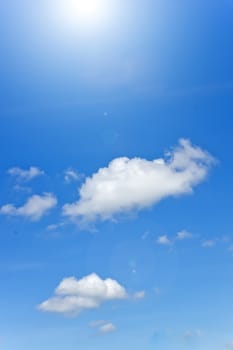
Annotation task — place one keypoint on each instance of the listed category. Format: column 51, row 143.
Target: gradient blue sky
column 77, row 97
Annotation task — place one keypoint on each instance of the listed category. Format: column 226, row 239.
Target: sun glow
column 88, row 8
column 85, row 13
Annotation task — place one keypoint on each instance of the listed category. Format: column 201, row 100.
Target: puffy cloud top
column 73, row 295
column 129, row 184
column 35, row 207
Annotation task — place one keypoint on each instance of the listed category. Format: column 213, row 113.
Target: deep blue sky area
column 137, row 255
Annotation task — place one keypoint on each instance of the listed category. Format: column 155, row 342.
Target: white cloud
column 208, row 244
column 25, row 175
column 71, row 175
column 163, row 240
column 107, row 328
column 54, row 227
column 229, row 346
column 133, row 184
column 140, row 295
column 103, row 326
column 73, row 295
column 35, row 207
column 182, row 235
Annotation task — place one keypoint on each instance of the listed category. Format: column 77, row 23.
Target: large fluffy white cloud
column 73, row 295
column 35, row 207
column 26, row 175
column 132, row 184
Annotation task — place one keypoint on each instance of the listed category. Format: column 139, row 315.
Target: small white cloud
column 35, row 207
column 133, row 184
column 209, row 244
column 103, row 327
column 163, row 240
column 71, row 175
column 182, row 235
column 140, row 295
column 107, row 328
column 25, row 175
column 54, row 227
column 73, row 296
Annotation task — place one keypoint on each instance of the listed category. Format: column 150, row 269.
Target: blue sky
column 116, row 175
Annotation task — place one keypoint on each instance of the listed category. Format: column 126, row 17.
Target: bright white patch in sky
column 35, row 207
column 85, row 14
column 182, row 235
column 103, row 326
column 86, row 8
column 133, row 184
column 73, row 295
column 25, row 175
column 71, row 175
column 163, row 240
column 107, row 328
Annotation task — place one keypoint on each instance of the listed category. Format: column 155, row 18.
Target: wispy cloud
column 25, row 175
column 193, row 334
column 133, row 184
column 107, row 328
column 35, row 207
column 139, row 295
column 182, row 235
column 103, row 327
column 209, row 243
column 71, row 175
column 54, row 227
